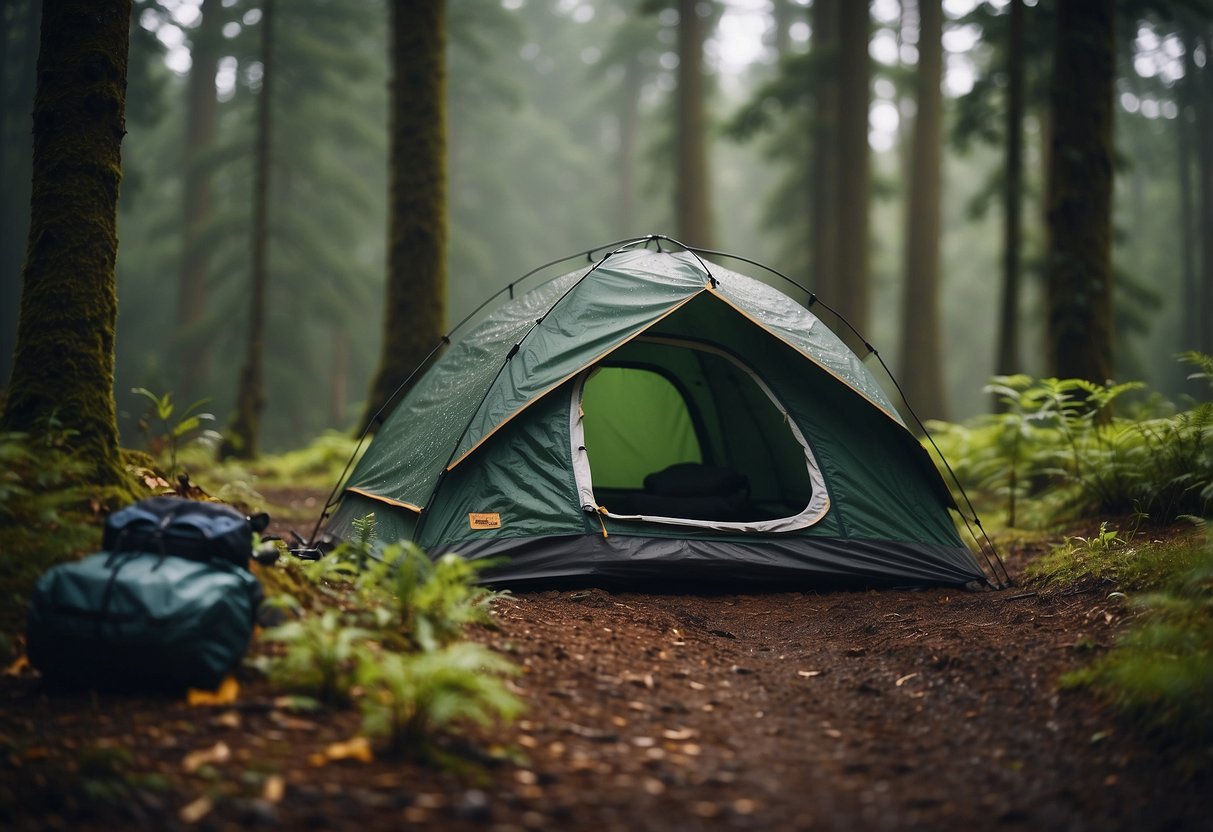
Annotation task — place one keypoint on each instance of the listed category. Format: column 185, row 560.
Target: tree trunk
column 1189, row 324
column 241, row 441
column 920, row 350
column 194, row 352
column 1079, row 263
column 1007, row 360
column 1204, row 141
column 18, row 69
column 692, row 214
column 629, row 130
column 415, row 309
column 854, row 93
column 63, row 368
column 783, row 16
column 823, row 166
column 339, row 387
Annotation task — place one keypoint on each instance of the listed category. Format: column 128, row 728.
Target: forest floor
column 935, row 709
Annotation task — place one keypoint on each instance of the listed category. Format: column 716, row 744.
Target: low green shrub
column 393, row 642
column 1059, row 450
column 410, row 696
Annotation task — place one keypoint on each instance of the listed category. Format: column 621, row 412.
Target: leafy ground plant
column 394, row 643
column 321, row 656
column 176, row 428
column 410, row 697
column 1060, row 449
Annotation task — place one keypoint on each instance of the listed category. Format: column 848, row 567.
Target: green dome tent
column 658, row 416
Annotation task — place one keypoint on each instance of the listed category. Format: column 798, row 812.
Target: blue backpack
column 170, row 604
column 185, row 528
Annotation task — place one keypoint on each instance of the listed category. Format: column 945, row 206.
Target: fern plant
column 321, row 657
column 1062, row 442
column 433, row 601
column 410, row 697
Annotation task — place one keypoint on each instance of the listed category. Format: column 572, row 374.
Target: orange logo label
column 484, row 521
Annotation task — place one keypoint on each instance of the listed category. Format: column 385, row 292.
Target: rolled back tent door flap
column 691, row 375
column 739, row 463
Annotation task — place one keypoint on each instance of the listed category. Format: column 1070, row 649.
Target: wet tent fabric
column 479, row 457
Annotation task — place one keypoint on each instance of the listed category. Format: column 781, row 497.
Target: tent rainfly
column 656, row 416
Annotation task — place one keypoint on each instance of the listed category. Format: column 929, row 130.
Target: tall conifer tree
column 1079, row 259
column 415, row 307
column 63, row 368
column 922, row 371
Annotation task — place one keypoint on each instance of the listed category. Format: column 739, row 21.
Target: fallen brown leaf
column 355, row 748
column 225, row 694
column 216, row 754
column 193, row 812
column 274, row 789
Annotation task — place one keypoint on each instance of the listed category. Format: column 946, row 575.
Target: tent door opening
column 670, row 430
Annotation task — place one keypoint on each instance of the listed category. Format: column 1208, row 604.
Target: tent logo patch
column 484, row 521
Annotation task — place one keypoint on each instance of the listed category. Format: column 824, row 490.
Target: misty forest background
column 563, row 124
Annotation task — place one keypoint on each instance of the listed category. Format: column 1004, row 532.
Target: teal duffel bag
column 137, row 620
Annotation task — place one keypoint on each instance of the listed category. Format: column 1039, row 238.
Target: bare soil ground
column 934, row 709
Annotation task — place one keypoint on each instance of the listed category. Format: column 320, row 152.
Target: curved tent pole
column 445, row 340
column 625, row 245
column 998, row 569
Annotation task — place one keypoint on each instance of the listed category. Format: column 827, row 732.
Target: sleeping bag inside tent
column 657, row 416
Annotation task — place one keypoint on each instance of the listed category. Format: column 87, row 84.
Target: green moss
column 1159, row 676
column 64, row 359
column 415, row 308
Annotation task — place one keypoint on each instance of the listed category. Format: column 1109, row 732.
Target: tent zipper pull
column 602, row 510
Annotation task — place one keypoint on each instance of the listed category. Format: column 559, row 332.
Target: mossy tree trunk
column 18, row 69
column 1079, row 262
column 241, row 440
column 692, row 211
column 194, row 352
column 854, row 165
column 415, row 306
column 1007, row 360
column 63, row 367
column 922, row 370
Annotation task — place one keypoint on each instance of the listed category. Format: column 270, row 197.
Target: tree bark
column 1079, row 263
column 1007, row 359
column 823, row 166
column 692, row 213
column 922, row 376
column 194, row 352
column 629, row 131
column 241, row 441
column 19, row 68
column 1204, row 141
column 339, row 386
column 854, row 166
column 63, row 368
column 415, row 308
column 1190, row 330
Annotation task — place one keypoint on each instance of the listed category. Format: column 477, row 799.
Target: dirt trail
column 882, row 710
